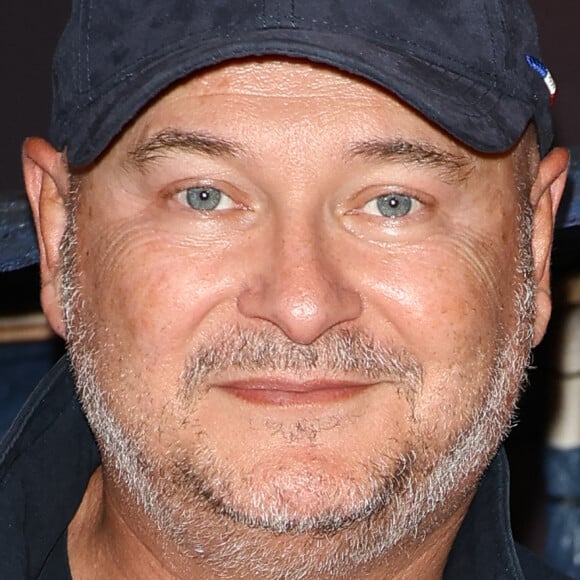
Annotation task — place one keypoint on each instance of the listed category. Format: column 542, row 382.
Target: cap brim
column 480, row 116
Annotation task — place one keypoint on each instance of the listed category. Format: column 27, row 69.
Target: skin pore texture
column 299, row 316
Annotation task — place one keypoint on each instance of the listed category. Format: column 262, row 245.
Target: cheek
column 454, row 314
column 450, row 302
column 151, row 293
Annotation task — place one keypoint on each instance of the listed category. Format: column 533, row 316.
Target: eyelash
column 394, row 201
column 389, row 205
column 179, row 193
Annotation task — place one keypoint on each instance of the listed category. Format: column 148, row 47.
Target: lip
column 284, row 392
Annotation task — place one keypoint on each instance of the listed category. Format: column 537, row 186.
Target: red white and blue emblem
column 538, row 66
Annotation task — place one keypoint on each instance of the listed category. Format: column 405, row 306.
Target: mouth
column 283, row 392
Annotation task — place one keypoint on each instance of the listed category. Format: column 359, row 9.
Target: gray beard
column 192, row 510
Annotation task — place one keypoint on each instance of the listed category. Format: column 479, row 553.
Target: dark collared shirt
column 49, row 454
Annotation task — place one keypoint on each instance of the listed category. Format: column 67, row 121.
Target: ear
column 545, row 198
column 46, row 179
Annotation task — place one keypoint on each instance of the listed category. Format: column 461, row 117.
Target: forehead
column 273, row 77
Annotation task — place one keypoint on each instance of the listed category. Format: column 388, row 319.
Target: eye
column 392, row 205
column 206, row 198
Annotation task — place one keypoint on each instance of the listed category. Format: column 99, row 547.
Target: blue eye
column 206, row 198
column 391, row 205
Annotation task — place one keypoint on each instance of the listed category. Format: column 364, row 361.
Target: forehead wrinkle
column 453, row 167
column 169, row 141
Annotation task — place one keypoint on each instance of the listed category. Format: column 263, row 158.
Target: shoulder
column 46, row 459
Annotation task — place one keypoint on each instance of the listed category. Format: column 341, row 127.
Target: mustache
column 343, row 352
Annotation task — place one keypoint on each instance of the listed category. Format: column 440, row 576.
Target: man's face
column 292, row 308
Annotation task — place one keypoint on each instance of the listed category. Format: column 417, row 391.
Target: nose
column 301, row 286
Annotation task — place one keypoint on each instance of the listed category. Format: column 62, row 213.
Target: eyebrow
column 169, row 141
column 451, row 166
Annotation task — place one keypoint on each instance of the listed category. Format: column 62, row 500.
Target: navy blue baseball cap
column 472, row 67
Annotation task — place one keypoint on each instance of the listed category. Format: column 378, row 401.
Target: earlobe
column 545, row 198
column 46, row 179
